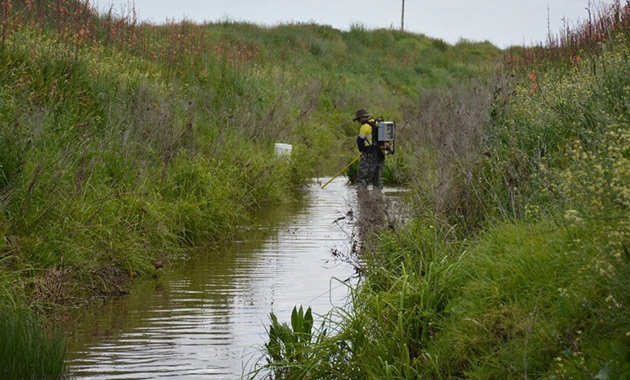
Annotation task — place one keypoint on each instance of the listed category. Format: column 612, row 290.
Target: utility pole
column 402, row 17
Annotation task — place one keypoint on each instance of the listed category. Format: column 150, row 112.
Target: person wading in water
column 372, row 156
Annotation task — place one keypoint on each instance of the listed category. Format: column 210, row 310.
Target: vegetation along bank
column 517, row 262
column 124, row 144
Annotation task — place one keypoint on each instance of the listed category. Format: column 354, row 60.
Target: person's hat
column 360, row 113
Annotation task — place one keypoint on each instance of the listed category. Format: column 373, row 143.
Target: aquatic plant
column 29, row 350
column 287, row 343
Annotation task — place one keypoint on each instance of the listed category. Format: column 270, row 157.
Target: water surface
column 207, row 318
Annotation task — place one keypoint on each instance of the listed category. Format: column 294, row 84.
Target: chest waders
column 371, row 164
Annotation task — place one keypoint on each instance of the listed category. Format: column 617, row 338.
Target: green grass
column 126, row 144
column 517, row 304
column 516, row 262
column 535, row 300
column 28, row 350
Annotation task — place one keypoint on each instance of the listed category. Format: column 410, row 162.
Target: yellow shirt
column 365, row 132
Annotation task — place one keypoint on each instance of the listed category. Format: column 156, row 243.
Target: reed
column 28, row 350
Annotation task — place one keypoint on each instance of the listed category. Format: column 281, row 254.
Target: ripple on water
column 205, row 319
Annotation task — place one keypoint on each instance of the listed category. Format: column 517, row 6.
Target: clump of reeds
column 28, row 350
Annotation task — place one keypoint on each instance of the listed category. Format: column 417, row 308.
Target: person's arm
column 362, row 137
column 360, row 143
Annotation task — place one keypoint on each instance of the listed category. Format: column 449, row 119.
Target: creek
column 207, row 318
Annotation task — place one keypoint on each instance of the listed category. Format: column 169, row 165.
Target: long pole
column 341, row 171
column 402, row 17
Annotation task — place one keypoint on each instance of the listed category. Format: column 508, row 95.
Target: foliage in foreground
column 28, row 350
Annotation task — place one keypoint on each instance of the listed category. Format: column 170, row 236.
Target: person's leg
column 378, row 167
column 363, row 174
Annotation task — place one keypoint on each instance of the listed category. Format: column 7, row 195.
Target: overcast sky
column 502, row 22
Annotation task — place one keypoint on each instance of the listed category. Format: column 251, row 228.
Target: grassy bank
column 125, row 144
column 516, row 263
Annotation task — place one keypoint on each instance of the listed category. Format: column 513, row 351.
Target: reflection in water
column 208, row 318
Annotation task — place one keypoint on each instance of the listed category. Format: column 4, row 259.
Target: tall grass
column 125, row 144
column 516, row 265
column 28, row 351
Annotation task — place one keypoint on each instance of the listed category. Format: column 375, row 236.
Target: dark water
column 207, row 318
